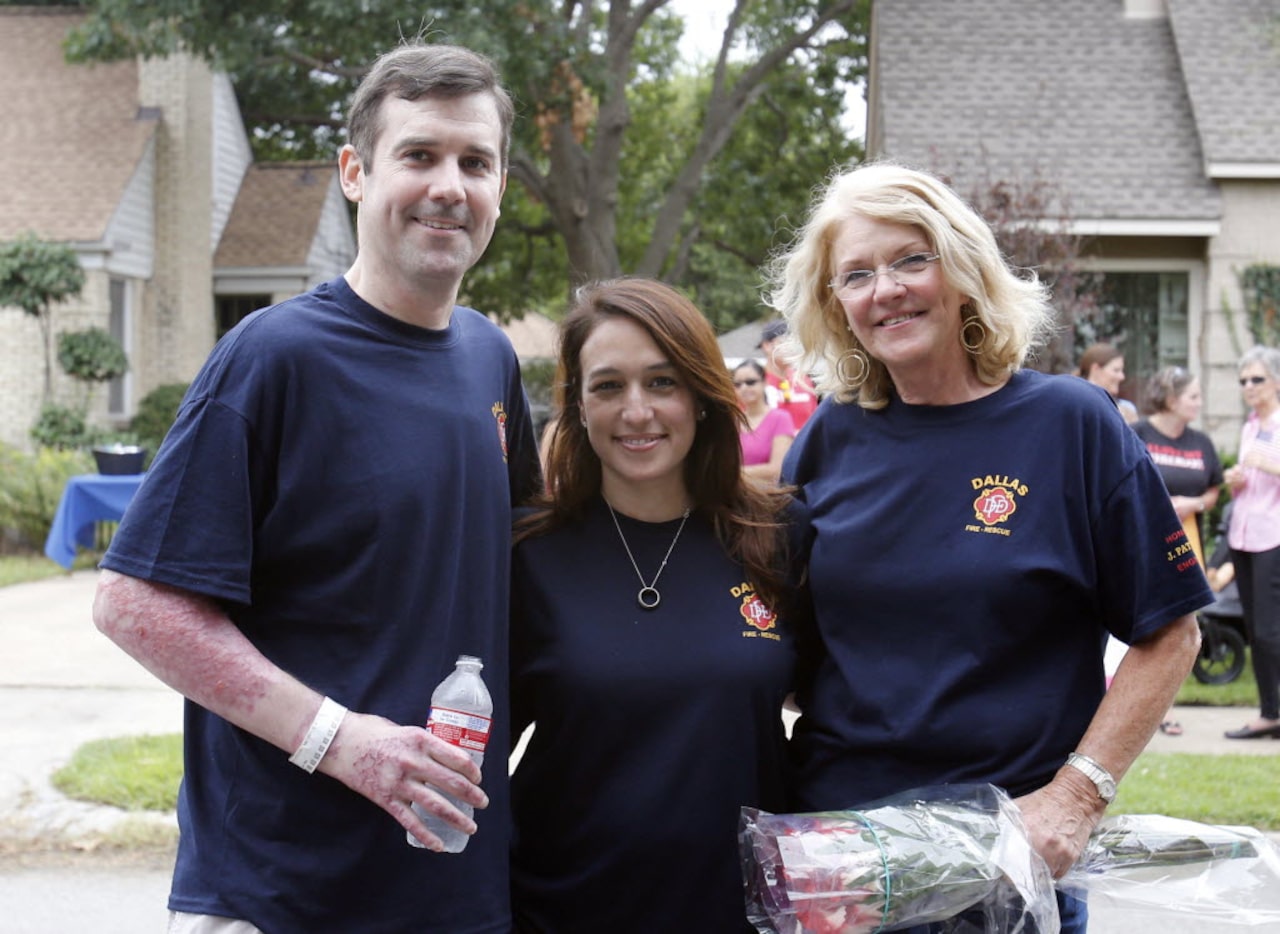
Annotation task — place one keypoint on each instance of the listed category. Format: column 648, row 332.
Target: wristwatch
column 1100, row 777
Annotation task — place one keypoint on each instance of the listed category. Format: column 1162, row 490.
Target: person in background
column 964, row 566
column 1186, row 458
column 325, row 529
column 788, row 388
column 1254, row 532
column 1103, row 365
column 647, row 649
column 768, row 433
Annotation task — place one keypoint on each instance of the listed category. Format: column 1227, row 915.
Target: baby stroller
column 1222, row 633
column 1222, row 641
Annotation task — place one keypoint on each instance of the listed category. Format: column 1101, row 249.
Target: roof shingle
column 1069, row 91
column 70, row 135
column 276, row 214
column 1230, row 56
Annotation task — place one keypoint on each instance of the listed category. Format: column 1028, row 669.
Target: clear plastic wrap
column 959, row 855
column 1148, row 869
column 920, row 857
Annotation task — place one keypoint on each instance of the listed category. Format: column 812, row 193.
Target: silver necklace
column 648, row 597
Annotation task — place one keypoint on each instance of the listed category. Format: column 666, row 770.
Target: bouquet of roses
column 911, row 859
column 933, row 855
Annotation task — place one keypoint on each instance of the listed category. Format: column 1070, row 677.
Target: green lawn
column 1211, row 789
column 142, row 773
column 19, row 569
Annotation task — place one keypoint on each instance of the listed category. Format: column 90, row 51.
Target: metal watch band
column 1100, row 777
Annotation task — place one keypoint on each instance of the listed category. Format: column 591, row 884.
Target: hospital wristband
column 319, row 735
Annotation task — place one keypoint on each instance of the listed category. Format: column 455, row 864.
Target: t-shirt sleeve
column 191, row 523
column 1148, row 572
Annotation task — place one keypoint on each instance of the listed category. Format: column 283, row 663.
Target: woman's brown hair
column 747, row 518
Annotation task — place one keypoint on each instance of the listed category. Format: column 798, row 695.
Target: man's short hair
column 419, row 70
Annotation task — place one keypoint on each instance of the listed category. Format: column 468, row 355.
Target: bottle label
column 467, row 731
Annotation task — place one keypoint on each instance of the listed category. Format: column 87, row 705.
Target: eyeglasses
column 903, row 271
column 1252, row 380
column 746, row 382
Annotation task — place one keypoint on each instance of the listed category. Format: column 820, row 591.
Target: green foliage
column 135, row 773
column 155, row 415
column 615, row 142
column 91, row 355
column 62, row 428
column 1236, row 790
column 1260, row 284
column 31, row 486
column 34, row 273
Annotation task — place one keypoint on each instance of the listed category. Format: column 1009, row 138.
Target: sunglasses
column 746, row 382
column 1252, row 380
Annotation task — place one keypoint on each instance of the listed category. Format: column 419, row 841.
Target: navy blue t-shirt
column 966, row 564
column 653, row 727
column 342, row 482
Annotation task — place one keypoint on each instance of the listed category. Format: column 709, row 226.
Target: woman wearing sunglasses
column 1254, row 532
column 768, row 433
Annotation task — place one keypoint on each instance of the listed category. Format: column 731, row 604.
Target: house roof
column 1068, row 91
column 277, row 211
column 71, row 136
column 1230, row 55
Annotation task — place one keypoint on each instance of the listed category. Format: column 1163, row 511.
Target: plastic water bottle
column 461, row 712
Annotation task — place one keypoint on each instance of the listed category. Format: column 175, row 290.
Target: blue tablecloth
column 88, row 498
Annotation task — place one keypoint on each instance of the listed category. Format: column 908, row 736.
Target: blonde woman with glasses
column 1254, row 532
column 977, row 528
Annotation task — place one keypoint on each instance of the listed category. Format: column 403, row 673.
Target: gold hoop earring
column 856, row 358
column 973, row 346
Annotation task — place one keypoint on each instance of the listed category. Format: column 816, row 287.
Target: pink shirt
column 1255, row 510
column 757, row 445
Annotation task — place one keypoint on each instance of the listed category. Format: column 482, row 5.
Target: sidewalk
column 62, row 683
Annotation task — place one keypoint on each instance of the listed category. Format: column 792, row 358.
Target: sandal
column 1171, row 728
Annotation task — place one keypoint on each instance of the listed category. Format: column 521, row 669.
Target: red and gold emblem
column 756, row 614
column 995, row 505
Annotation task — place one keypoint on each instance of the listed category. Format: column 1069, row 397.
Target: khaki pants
column 180, row 922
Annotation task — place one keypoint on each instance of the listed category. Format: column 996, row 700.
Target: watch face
column 1107, row 791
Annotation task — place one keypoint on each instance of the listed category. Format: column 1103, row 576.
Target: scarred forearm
column 187, row 642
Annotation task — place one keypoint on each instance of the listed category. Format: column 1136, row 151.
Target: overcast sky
column 704, row 25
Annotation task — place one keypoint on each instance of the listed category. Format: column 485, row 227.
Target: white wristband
column 319, row 735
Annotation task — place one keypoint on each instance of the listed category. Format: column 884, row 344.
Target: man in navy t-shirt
column 326, row 529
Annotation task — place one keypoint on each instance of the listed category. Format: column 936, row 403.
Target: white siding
column 231, row 153
column 130, row 239
column 334, row 247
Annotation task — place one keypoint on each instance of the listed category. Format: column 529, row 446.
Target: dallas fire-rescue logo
column 997, row 501
column 760, row 619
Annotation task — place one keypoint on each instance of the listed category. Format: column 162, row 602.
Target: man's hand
column 397, row 766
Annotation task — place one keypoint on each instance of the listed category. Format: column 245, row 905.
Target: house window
column 118, row 327
column 1145, row 314
column 232, row 309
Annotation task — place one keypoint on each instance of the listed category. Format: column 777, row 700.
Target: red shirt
column 794, row 394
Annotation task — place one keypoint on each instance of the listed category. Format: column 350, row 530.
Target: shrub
column 155, row 415
column 91, row 355
column 62, row 428
column 31, row 486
